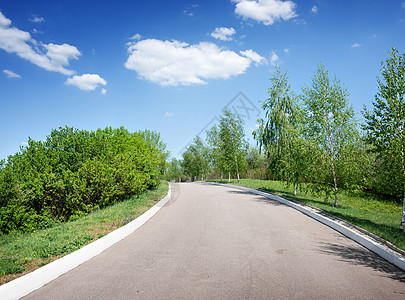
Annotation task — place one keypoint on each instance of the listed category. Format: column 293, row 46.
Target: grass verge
column 380, row 217
column 21, row 253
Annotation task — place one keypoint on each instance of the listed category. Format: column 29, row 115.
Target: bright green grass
column 380, row 217
column 21, row 253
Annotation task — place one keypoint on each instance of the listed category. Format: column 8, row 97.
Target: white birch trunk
column 401, row 229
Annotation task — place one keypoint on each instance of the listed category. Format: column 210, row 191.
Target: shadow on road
column 258, row 198
column 175, row 192
column 363, row 257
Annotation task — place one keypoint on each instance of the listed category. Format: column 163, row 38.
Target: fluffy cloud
column 274, row 58
column 253, row 56
column 37, row 19
column 173, row 63
column 50, row 57
column 11, row 74
column 356, row 45
column 136, row 37
column 168, row 114
column 265, row 11
column 314, row 9
column 223, row 33
column 87, row 82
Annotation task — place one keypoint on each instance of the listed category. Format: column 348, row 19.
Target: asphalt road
column 213, row 242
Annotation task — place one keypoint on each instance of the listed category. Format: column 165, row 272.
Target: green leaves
column 385, row 125
column 75, row 171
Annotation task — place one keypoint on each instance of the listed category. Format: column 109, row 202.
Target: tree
column 195, row 159
column 232, row 143
column 385, row 124
column 173, row 170
column 215, row 154
column 278, row 133
column 330, row 125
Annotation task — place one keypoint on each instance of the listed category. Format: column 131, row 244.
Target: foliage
column 331, row 127
column 279, row 133
column 74, row 172
column 195, row 159
column 232, row 143
column 174, row 170
column 385, row 125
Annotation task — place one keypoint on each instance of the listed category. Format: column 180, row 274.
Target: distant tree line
column 74, row 172
column 312, row 139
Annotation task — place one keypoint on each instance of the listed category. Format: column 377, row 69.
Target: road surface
column 215, row 242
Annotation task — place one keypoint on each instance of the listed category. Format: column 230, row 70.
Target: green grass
column 21, row 253
column 378, row 216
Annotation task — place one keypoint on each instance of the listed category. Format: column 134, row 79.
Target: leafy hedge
column 74, row 172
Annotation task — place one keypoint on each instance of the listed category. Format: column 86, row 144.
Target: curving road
column 213, row 242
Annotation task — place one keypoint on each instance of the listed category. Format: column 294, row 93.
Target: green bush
column 74, row 172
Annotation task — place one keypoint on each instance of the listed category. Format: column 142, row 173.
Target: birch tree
column 330, row 124
column 385, row 124
column 278, row 131
column 232, row 143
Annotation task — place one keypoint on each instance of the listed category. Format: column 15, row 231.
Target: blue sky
column 171, row 66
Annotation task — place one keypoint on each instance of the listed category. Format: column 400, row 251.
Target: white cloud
column 37, row 19
column 189, row 10
column 356, row 45
column 274, row 58
column 11, row 74
column 253, row 56
column 403, row 5
column 86, row 82
column 188, row 13
column 265, row 11
column 4, row 22
column 314, row 9
column 286, row 50
column 136, row 37
column 103, row 91
column 60, row 54
column 50, row 57
column 223, row 33
column 168, row 114
column 173, row 63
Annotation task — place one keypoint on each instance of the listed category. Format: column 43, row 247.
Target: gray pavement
column 213, row 242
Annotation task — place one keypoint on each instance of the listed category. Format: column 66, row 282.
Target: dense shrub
column 74, row 172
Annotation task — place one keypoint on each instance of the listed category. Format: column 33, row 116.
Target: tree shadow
column 259, row 198
column 360, row 256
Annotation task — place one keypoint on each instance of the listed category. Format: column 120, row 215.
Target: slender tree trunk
column 229, row 176
column 331, row 149
column 401, row 229
column 237, row 170
column 335, row 186
column 294, row 184
column 221, row 176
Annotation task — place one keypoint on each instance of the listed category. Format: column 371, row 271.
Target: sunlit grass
column 378, row 216
column 21, row 253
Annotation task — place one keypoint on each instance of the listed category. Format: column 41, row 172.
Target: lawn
column 378, row 216
column 21, row 253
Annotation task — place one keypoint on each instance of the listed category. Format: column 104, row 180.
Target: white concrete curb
column 26, row 284
column 377, row 248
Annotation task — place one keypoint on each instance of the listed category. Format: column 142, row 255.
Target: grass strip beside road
column 21, row 253
column 377, row 216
